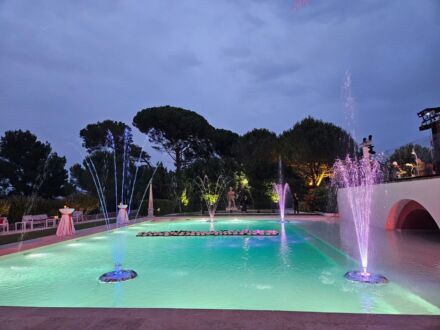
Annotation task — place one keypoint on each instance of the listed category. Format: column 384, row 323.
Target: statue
column 231, row 200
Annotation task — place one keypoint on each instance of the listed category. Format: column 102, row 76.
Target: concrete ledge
column 122, row 318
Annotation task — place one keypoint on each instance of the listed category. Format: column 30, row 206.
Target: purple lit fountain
column 357, row 178
column 281, row 190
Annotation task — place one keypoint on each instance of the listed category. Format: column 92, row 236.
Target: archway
column 410, row 215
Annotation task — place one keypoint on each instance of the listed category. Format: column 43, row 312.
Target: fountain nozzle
column 365, row 277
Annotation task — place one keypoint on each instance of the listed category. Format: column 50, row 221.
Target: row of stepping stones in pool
column 208, row 233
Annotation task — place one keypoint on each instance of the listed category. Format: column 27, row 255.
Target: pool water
column 293, row 272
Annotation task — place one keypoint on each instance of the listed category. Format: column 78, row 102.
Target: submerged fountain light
column 357, row 177
column 365, row 277
column 118, row 275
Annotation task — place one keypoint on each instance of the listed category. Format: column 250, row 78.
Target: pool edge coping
column 141, row 318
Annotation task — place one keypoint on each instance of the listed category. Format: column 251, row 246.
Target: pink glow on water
column 281, row 190
column 298, row 4
column 358, row 177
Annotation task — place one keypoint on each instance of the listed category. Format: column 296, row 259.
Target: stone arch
column 408, row 214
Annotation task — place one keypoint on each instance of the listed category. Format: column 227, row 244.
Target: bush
column 20, row 205
column 5, row 204
column 85, row 202
column 321, row 199
column 17, row 209
column 260, row 199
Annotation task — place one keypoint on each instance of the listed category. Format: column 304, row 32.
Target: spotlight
column 118, row 275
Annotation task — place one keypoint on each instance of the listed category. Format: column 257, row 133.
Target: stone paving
column 17, row 318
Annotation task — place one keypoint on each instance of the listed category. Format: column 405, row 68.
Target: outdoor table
column 122, row 217
column 65, row 227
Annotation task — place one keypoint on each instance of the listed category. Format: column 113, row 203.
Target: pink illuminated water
column 358, row 176
column 297, row 4
column 281, row 189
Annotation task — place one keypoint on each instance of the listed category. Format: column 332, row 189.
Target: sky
column 242, row 64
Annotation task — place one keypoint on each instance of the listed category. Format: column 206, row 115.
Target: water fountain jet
column 211, row 193
column 281, row 190
column 357, row 177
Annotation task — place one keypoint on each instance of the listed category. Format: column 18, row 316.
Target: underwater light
column 365, row 277
column 118, row 275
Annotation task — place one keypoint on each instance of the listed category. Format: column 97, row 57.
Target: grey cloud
column 240, row 63
column 183, row 60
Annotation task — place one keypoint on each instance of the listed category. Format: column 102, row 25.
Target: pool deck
column 53, row 239
column 38, row 318
column 48, row 240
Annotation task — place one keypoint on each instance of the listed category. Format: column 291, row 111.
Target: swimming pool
column 294, row 271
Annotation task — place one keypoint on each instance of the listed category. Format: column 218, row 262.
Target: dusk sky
column 242, row 64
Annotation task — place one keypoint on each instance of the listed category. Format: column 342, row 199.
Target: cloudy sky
column 240, row 63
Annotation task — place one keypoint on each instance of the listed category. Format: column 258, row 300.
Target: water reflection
column 284, row 245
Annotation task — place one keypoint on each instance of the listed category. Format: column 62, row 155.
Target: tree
column 258, row 156
column 181, row 133
column 312, row 146
column 405, row 154
column 225, row 143
column 96, row 137
column 55, row 181
column 107, row 143
column 28, row 166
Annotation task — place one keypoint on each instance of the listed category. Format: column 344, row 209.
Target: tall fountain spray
column 349, row 104
column 281, row 189
column 357, row 177
column 211, row 192
column 127, row 190
column 111, row 142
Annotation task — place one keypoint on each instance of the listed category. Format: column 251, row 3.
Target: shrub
column 17, row 209
column 5, row 204
column 20, row 205
column 85, row 202
column 321, row 199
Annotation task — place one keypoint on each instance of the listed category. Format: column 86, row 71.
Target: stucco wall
column 388, row 200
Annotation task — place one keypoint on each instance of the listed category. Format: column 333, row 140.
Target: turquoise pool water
column 294, row 271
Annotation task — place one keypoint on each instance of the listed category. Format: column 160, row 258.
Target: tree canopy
column 29, row 166
column 96, row 137
column 308, row 151
column 106, row 143
column 225, row 143
column 405, row 154
column 182, row 134
column 312, row 146
column 258, row 157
